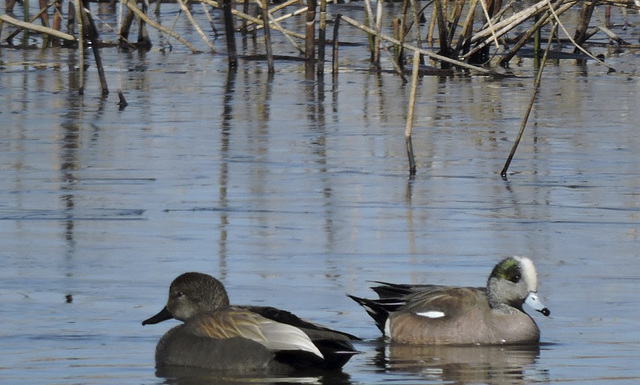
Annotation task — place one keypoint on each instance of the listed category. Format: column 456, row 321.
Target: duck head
column 191, row 294
column 512, row 282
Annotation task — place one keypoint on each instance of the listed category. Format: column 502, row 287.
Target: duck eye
column 515, row 278
column 180, row 294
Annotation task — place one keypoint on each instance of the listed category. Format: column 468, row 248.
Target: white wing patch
column 279, row 336
column 431, row 314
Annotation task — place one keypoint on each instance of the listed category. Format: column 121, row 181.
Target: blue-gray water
column 294, row 192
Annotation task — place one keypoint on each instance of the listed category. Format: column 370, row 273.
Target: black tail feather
column 378, row 309
column 388, row 290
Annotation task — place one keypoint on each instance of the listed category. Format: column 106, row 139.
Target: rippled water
column 294, row 192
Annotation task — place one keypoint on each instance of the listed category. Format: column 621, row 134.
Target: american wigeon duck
column 221, row 337
column 445, row 315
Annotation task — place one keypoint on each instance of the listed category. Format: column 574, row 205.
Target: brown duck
column 221, row 337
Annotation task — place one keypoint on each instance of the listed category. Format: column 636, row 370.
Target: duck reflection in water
column 462, row 364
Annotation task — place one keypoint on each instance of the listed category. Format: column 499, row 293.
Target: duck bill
column 535, row 303
column 164, row 315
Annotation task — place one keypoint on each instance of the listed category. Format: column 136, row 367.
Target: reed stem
column 322, row 36
column 80, row 24
column 229, row 31
column 336, row 40
column 410, row 112
column 536, row 86
column 264, row 5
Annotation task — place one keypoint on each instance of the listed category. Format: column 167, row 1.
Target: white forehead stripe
column 431, row 314
column 528, row 273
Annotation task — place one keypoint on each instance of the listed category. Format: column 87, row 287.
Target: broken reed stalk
column 432, row 26
column 397, row 50
column 378, row 36
column 378, row 28
column 245, row 10
column 534, row 30
column 489, row 23
column 144, row 41
column 125, row 26
column 500, row 28
column 485, row 37
column 272, row 10
column 264, row 5
column 193, row 22
column 143, row 35
column 273, row 22
column 282, row 5
column 37, row 28
column 464, row 44
column 585, row 17
column 402, row 31
column 247, row 23
column 536, row 86
column 367, row 23
column 577, row 46
column 80, row 24
column 31, row 20
column 322, row 36
column 455, row 18
column 122, row 101
column 612, row 35
column 289, row 15
column 92, row 34
column 443, row 33
column 229, row 31
column 132, row 6
column 209, row 19
column 334, row 59
column 376, row 21
column 536, row 40
column 410, row 113
column 57, row 21
column 415, row 12
column 25, row 13
column 374, row 42
column 425, row 52
column 310, row 32
column 536, row 27
column 255, row 20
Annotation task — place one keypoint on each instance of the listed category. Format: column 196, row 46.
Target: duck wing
column 286, row 317
column 238, row 322
column 443, row 301
column 334, row 345
column 432, row 301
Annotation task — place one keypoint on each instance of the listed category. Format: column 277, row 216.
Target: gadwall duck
column 445, row 315
column 218, row 336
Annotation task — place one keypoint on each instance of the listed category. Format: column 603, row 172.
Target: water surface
column 295, row 191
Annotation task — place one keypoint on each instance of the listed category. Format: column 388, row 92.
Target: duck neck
column 499, row 301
